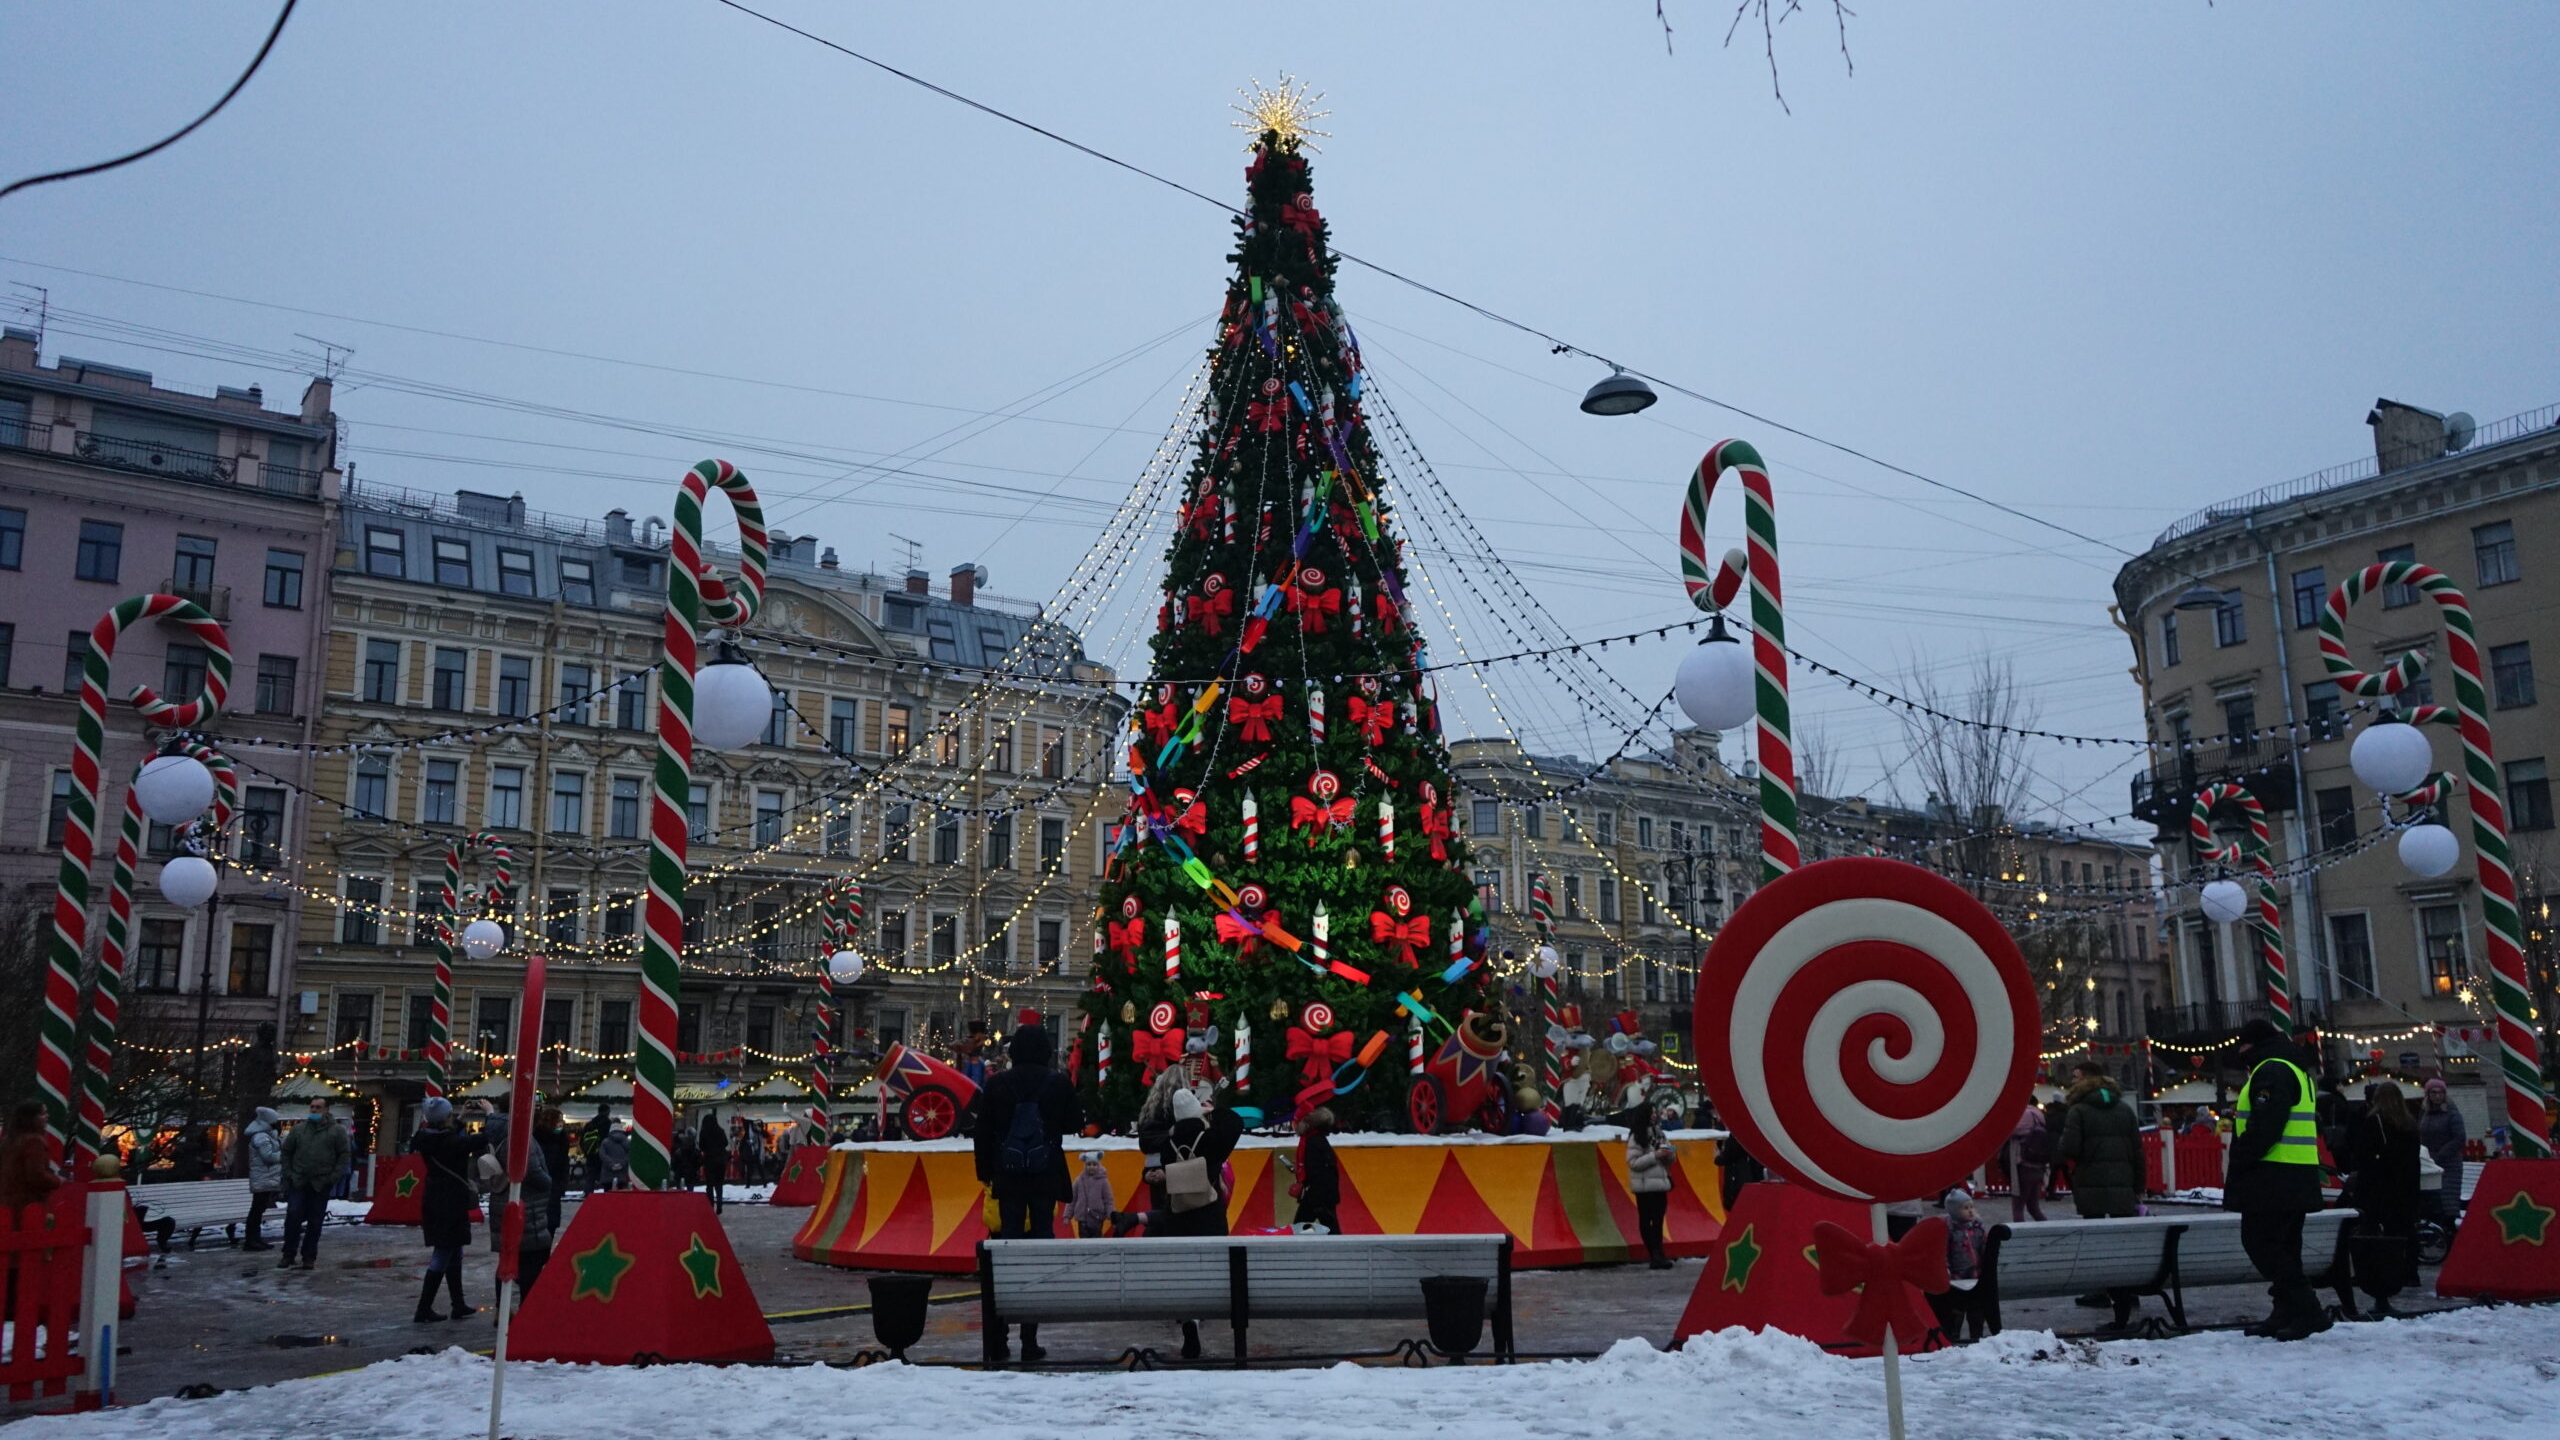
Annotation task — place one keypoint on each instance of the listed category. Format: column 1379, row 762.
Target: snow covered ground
column 2482, row 1374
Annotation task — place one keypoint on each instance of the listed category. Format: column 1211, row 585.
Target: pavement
column 227, row 1318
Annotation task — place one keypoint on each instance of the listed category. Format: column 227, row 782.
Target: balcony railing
column 152, row 457
column 2353, row 471
column 2265, row 766
column 24, row 435
column 216, row 599
column 289, row 480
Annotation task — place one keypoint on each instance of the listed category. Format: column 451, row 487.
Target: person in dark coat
column 551, row 1132
column 450, row 1152
column 2273, row 1177
column 2102, row 1138
column 2381, row 1159
column 1319, row 1183
column 1173, row 1126
column 684, row 1158
column 1024, row 1117
column 714, row 1152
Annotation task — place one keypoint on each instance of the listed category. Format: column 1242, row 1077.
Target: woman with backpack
column 1024, row 1116
column 1184, row 1145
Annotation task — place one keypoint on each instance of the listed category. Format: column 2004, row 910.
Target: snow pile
column 2483, row 1374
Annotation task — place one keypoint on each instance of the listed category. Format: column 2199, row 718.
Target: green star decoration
column 1740, row 1255
column 793, row 1173
column 600, row 1270
column 406, row 1185
column 2521, row 1222
column 702, row 1265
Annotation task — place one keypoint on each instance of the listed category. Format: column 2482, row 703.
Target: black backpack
column 1027, row 1148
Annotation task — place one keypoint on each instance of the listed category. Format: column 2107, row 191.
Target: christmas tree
column 1287, row 895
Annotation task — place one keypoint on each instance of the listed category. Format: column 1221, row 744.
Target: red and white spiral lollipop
column 1867, row 1028
column 1163, row 1016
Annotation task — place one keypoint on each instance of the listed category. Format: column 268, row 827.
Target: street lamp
column 1617, row 393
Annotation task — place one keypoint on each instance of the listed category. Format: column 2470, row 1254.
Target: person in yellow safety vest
column 2273, row 1176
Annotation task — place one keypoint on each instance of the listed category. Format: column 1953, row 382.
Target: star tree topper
column 1287, row 110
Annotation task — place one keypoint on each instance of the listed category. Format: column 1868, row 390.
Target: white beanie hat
column 1186, row 1106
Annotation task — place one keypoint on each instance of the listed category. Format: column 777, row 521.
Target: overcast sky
column 2105, row 264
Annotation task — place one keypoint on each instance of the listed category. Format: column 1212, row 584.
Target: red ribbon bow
column 1374, row 717
column 1266, row 415
column 1435, row 827
column 1314, row 816
column 1160, row 722
column 1311, row 606
column 1317, row 1055
column 1254, row 715
column 1125, row 937
column 1194, row 819
column 1885, row 1277
column 1209, row 611
column 1405, row 934
column 1204, row 517
column 1156, row 1051
column 1390, row 614
column 1301, row 216
column 1233, row 927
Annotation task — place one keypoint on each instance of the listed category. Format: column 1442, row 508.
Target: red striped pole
column 2258, row 849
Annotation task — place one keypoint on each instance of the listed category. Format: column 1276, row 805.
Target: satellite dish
column 2459, row 430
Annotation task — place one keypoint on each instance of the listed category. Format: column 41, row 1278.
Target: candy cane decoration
column 1244, row 1055
column 1315, row 713
column 1252, row 829
column 1778, row 850
column 1172, row 951
column 1102, row 1056
column 106, row 999
column 1413, row 1045
column 840, row 915
column 2258, row 849
column 498, row 896
column 1386, row 828
column 1551, row 1009
column 2510, row 988
column 1320, row 935
column 59, row 1029
column 695, row 596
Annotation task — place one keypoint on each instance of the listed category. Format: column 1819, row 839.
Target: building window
column 631, row 702
column 2169, row 639
column 1644, row 832
column 559, row 1022
column 897, row 831
column 695, row 909
column 385, row 552
column 2511, row 673
column 2310, row 595
column 2421, row 691
column 452, row 679
column 946, row 938
column 1485, row 818
column 838, row 838
column 946, row 840
column 1573, row 894
column 453, row 563
column 506, row 797
column 13, row 537
column 8, row 649
column 2493, row 549
column 1053, row 842
column 893, row 933
column 2324, row 710
column 101, row 554
column 697, row 811
column 777, row 721
column 191, row 569
column 372, row 787
column 613, row 1027
column 284, row 584
column 568, row 803
column 1049, row 944
column 2230, row 621
column 354, row 1023
column 1652, row 981
column 1532, row 823
column 2447, row 954
column 275, row 684
column 182, row 674
column 422, row 1010
column 999, row 829
column 624, row 822
column 942, row 641
column 760, row 1027
column 621, row 916
column 1605, row 827
column 947, row 743
column 844, row 725
column 515, row 686
column 898, row 731
column 1000, row 748
column 436, row 799
column 253, row 949
column 998, row 949
column 494, row 1029
column 360, row 914
column 2240, row 725
column 2528, row 795
column 1608, row 900
column 639, row 574
column 577, row 582
column 382, row 672
column 1053, row 753
column 426, row 904
column 577, row 684
column 515, row 572
column 262, row 824
column 2395, row 596
column 561, row 915
column 156, row 960
column 768, row 817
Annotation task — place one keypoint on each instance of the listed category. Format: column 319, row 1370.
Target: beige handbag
column 1187, row 1186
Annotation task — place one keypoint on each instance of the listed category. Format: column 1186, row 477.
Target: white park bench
column 2150, row 1255
column 193, row 1206
column 1239, row 1279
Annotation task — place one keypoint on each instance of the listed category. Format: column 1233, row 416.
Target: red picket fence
column 41, row 1252
column 2198, row 1157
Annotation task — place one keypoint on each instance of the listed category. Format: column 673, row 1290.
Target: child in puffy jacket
column 1090, row 1206
column 1956, row 1306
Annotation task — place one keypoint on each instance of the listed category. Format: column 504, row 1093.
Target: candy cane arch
column 2510, row 987
column 106, row 996
column 2258, row 850
column 1542, row 920
column 497, row 897
column 695, row 596
column 840, row 915
column 59, row 1031
column 1778, row 850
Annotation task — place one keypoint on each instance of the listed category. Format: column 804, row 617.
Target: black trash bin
column 1454, row 1304
column 897, row 1310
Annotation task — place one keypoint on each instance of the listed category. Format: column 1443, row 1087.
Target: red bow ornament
column 1300, row 215
column 1266, row 415
column 1316, row 816
column 1125, row 937
column 1255, row 716
column 1209, row 611
column 1158, row 1051
column 1204, row 517
column 1374, row 717
column 1885, row 1277
column 1318, row 1055
column 1390, row 614
column 1234, row 928
column 1160, row 722
column 1435, row 828
column 1194, row 820
column 1311, row 606
column 1404, row 934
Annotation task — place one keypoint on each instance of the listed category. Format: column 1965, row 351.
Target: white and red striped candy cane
column 2259, row 851
column 59, row 1027
column 1386, row 828
column 1244, row 1055
column 840, row 915
column 497, row 897
column 1413, row 1045
column 695, row 597
column 1172, row 951
column 1778, row 848
column 1315, row 713
column 1252, row 829
column 2510, row 984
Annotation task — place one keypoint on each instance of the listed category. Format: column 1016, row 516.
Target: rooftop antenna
column 915, row 549
column 333, row 356
column 43, row 308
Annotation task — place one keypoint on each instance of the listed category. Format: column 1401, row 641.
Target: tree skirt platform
column 917, row 1205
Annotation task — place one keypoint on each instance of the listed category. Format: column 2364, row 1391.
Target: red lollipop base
column 801, row 1177
column 2509, row 1245
column 641, row 1273
column 1761, row 1275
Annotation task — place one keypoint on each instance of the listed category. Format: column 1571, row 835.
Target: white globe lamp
column 1715, row 684
column 173, row 789
column 845, row 966
column 2225, row 901
column 483, row 938
column 2392, row 758
column 1545, row 963
column 731, row 705
column 2429, row 850
column 187, row 881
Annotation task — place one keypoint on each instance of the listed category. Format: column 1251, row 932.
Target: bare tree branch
column 1772, row 14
